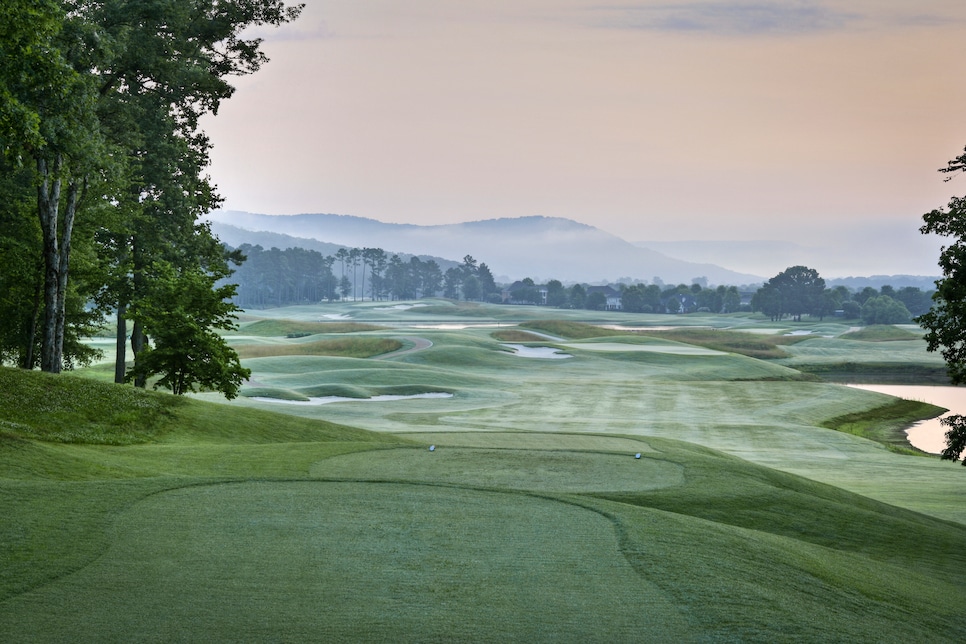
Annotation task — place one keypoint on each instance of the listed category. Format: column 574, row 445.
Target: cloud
column 729, row 18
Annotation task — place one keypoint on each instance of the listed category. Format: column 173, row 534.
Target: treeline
column 270, row 278
column 799, row 290
column 274, row 277
column 103, row 180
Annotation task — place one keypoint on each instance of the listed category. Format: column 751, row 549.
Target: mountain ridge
column 534, row 246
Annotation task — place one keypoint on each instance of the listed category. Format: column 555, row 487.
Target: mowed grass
column 751, row 345
column 513, row 540
column 351, row 347
column 531, row 519
column 881, row 333
column 284, row 328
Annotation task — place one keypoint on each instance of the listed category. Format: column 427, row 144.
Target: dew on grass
column 325, row 400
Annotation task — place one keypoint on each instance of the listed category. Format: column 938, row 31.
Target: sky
column 819, row 123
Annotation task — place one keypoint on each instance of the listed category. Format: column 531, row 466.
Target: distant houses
column 612, row 297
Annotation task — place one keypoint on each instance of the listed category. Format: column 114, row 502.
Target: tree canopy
column 796, row 291
column 945, row 323
column 100, row 106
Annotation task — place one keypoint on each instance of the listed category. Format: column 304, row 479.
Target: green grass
column 286, row 328
column 753, row 346
column 515, row 335
column 886, row 424
column 353, row 347
column 881, row 333
column 572, row 330
column 745, row 519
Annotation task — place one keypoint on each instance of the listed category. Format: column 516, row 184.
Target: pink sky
column 801, row 121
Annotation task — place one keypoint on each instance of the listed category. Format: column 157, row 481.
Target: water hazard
column 927, row 435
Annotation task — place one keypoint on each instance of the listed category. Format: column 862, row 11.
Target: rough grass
column 516, row 335
column 572, row 330
column 883, row 373
column 352, row 347
column 457, row 308
column 70, row 409
column 761, row 347
column 285, row 328
column 881, row 333
column 886, row 424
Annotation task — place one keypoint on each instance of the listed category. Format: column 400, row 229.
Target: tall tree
column 945, row 323
column 799, row 291
column 167, row 65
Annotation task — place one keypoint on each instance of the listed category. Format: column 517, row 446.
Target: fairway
column 538, row 471
column 685, row 486
column 316, row 561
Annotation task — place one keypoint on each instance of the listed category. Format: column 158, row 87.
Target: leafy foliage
column 179, row 314
column 945, row 323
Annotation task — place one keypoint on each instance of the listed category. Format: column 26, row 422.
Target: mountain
column 538, row 247
column 235, row 237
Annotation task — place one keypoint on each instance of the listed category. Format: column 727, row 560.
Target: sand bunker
column 337, row 316
column 325, row 400
column 677, row 349
column 537, row 352
column 398, row 307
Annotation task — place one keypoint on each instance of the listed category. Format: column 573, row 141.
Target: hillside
column 538, row 247
column 225, row 523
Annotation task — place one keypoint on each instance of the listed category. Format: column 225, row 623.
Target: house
column 612, row 295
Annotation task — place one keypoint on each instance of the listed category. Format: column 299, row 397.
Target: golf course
column 442, row 471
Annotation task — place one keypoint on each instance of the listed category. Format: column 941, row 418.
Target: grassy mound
column 761, row 347
column 881, row 333
column 572, row 330
column 355, row 347
column 293, row 328
column 516, row 335
column 883, row 373
column 65, row 408
column 886, row 424
column 71, row 409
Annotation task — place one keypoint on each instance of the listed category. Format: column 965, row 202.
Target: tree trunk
column 31, row 339
column 120, row 358
column 138, row 341
column 63, row 269
column 48, row 202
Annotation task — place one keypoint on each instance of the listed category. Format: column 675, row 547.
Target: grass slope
column 134, row 515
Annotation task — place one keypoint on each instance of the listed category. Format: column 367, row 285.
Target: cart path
column 419, row 344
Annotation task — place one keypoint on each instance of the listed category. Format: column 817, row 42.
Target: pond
column 927, row 435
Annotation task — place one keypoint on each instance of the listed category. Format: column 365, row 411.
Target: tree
column 632, row 299
column 104, row 98
column 884, row 310
column 578, row 296
column 453, row 280
column 596, row 301
column 945, row 323
column 430, row 278
column 179, row 314
column 768, row 300
column 487, row 283
column 556, row 294
column 799, row 290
